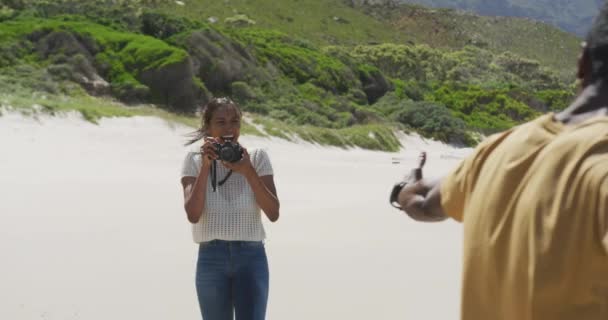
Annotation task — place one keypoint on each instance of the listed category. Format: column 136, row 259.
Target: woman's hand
column 242, row 166
column 264, row 190
column 208, row 152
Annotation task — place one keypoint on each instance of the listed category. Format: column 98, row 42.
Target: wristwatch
column 415, row 175
column 395, row 194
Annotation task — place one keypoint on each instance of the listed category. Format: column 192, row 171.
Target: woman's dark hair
column 207, row 113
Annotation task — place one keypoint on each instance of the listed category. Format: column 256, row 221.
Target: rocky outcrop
column 49, row 43
column 174, row 86
column 219, row 61
column 73, row 57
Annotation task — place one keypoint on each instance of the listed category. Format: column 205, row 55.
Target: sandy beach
column 92, row 227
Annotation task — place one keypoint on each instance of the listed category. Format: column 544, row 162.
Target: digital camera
column 228, row 151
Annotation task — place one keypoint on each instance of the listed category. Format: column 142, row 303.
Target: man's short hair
column 597, row 45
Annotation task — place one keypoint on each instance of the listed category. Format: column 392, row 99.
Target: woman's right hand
column 208, row 152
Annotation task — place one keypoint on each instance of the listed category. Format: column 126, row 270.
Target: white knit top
column 230, row 213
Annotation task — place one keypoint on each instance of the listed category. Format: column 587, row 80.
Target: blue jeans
column 232, row 279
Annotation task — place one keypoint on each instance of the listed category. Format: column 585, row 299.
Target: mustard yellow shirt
column 534, row 202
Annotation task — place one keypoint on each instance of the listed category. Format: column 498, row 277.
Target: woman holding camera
column 232, row 269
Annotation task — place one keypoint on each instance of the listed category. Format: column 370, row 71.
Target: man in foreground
column 534, row 204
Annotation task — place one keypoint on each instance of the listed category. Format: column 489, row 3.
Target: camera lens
column 227, row 154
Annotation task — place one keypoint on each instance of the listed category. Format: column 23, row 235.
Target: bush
column 433, row 121
column 556, row 100
column 6, row 13
column 299, row 61
column 389, row 104
column 29, row 78
column 131, row 92
column 470, row 65
column 163, row 26
column 489, row 110
column 413, row 90
column 241, row 92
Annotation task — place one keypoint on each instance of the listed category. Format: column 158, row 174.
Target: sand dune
column 92, row 227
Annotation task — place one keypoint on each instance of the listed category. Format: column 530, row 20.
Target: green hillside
column 337, row 22
column 455, row 29
column 327, row 71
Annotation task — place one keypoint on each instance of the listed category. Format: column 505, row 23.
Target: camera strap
column 225, row 178
column 214, row 182
column 214, row 175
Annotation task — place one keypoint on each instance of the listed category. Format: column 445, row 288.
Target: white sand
column 92, row 227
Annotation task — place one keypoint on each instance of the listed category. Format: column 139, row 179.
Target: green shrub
column 162, row 26
column 241, row 92
column 556, row 100
column 299, row 61
column 434, row 121
column 489, row 110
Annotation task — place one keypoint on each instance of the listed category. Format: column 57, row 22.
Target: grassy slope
column 314, row 21
column 309, row 19
column 454, row 29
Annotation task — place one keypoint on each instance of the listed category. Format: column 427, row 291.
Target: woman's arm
column 195, row 191
column 195, row 188
column 263, row 187
column 265, row 194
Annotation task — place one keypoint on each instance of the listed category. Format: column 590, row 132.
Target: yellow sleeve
column 603, row 213
column 457, row 185
column 596, row 194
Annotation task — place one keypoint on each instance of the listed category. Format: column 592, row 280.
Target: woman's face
column 225, row 122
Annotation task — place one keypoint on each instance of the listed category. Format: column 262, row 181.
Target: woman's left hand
column 242, row 166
